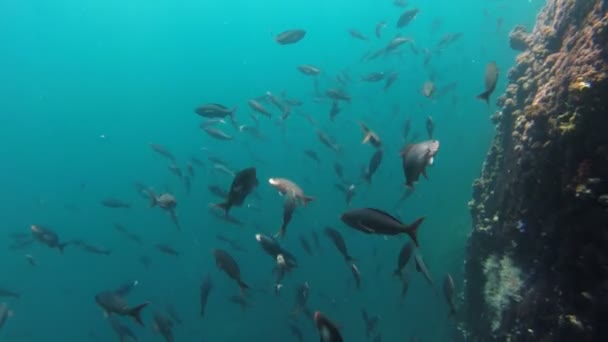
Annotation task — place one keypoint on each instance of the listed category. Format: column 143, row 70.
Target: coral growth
column 502, row 286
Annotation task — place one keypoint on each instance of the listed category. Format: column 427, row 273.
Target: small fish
column 450, row 294
column 339, row 170
column 428, row 89
column 30, row 259
column 296, row 332
column 172, row 312
column 407, row 127
column 313, row 155
column 379, row 27
column 47, row 237
column 163, row 326
column 217, row 134
column 338, row 95
column 272, row 247
column 123, row 332
column 85, row 246
column 327, row 329
column 244, row 182
column 256, row 106
column 404, row 256
column 206, row 288
column 289, row 206
column 5, row 313
column 394, row 44
column 166, row 202
column 9, row 293
column 174, row 169
column 335, row 110
column 415, row 159
column 338, row 241
column 370, row 136
column 374, row 163
column 491, row 79
column 430, row 126
column 164, row 248
column 407, row 17
column 357, row 35
column 301, row 298
column 240, row 301
column 216, row 110
column 405, row 285
column 225, row 262
column 390, row 79
column 356, row 275
column 325, row 140
column 211, row 122
column 421, row 267
column 375, row 221
column 163, row 151
column 290, row 36
column 370, row 322
column 114, row 303
column 309, row 70
column 197, row 162
column 115, row 203
column 290, row 189
column 373, row 77
column 145, row 261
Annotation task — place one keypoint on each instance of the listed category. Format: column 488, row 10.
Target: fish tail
column 136, row 313
column 281, row 233
column 484, row 96
column 366, row 138
column 306, row 199
column 61, row 246
column 225, row 206
column 412, row 230
column 243, row 286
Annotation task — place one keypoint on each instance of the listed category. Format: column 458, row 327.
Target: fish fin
column 412, row 230
column 242, row 286
column 153, row 201
column 306, row 199
column 484, row 96
column 136, row 313
column 366, row 138
column 423, row 172
column 225, row 206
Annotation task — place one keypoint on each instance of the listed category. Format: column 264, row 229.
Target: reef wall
column 537, row 258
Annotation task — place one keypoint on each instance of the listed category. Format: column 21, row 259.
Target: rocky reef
column 537, row 258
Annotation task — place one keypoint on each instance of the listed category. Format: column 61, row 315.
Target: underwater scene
column 358, row 170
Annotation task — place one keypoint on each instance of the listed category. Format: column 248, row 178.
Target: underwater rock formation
column 537, row 258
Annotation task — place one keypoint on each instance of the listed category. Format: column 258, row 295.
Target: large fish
column 374, row 221
column 242, row 185
column 290, row 36
column 490, row 79
column 415, row 159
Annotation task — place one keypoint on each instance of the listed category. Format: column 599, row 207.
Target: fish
column 373, row 77
column 172, row 312
column 206, row 288
column 404, row 256
column 407, row 127
column 301, row 298
column 400, row 3
column 309, row 70
column 289, row 206
column 145, row 261
column 370, row 136
column 405, row 285
column 415, row 158
column 338, row 241
column 313, row 155
column 374, row 163
column 296, row 332
column 240, row 301
column 327, row 329
column 450, row 294
column 305, row 245
column 335, row 110
column 277, row 103
column 163, row 151
column 244, row 182
column 211, row 122
column 163, row 326
column 430, row 126
column 87, row 247
column 357, row 35
column 225, row 217
column 174, row 169
column 114, row 303
column 339, row 170
column 375, row 221
column 394, row 44
column 197, row 162
column 325, row 140
column 164, row 248
column 290, row 36
column 371, row 323
column 407, row 17
column 9, row 293
column 30, row 259
column 272, row 247
column 256, row 106
column 166, row 202
column 187, row 184
column 225, row 262
column 216, row 110
column 379, row 27
column 390, row 79
column 48, row 237
column 217, row 134
column 421, row 267
column 428, row 89
column 5, row 313
column 217, row 191
column 290, row 189
column 448, row 39
column 356, row 275
column 491, row 78
column 338, row 95
column 123, row 332
column 115, row 203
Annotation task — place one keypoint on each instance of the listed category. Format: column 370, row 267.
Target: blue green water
column 133, row 72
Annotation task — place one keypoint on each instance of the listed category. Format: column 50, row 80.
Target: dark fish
column 244, row 182
column 390, row 79
column 115, row 203
column 172, row 312
column 240, row 301
column 327, row 329
column 301, row 298
column 164, row 248
column 316, row 240
column 373, row 77
column 5, row 313
column 277, row 103
column 325, row 140
column 374, row 163
column 338, row 241
column 47, row 237
column 305, row 245
column 421, row 267
column 123, row 332
column 415, row 159
column 289, row 206
column 190, row 170
column 427, row 56
column 379, row 27
column 428, row 89
column 296, row 332
column 404, row 256
column 356, row 34
column 197, row 162
column 256, row 106
column 449, row 39
column 87, row 247
column 290, row 36
column 166, row 202
column 206, row 288
column 113, row 303
column 490, row 79
column 162, row 151
column 374, row 221
column 450, row 294
column 407, row 17
column 30, row 259
column 309, row 70
column 8, row 293
column 145, row 261
column 217, row 134
column 430, row 126
column 370, row 136
column 400, row 3
column 370, row 322
column 407, row 127
column 356, row 275
column 187, row 184
column 225, row 217
column 216, row 110
column 338, row 95
column 225, row 262
column 312, row 155
column 405, row 286
column 163, row 326
column 339, row 170
column 272, row 247
column 335, row 110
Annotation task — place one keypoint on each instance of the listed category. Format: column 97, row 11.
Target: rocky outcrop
column 537, row 258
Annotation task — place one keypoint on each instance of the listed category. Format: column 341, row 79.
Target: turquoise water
column 87, row 85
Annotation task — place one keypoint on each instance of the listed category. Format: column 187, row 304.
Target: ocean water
column 87, row 85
